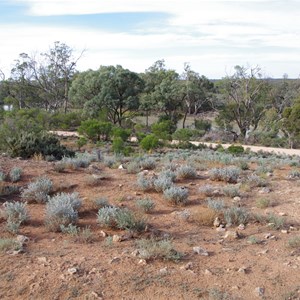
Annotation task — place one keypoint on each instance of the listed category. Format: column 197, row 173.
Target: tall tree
column 246, row 98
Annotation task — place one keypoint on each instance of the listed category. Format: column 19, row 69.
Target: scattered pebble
column 200, row 251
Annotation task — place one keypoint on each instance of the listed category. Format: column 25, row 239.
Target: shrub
column 118, row 145
column 38, row 190
column 184, row 134
column 133, row 167
column 294, row 174
column 216, row 205
column 153, row 249
column 201, row 124
column 145, row 184
column 2, row 176
column 59, row 166
column 204, row 216
column 229, row 174
column 9, row 244
column 275, row 222
column 186, row 172
column 294, row 242
column 146, row 205
column 176, row 195
column 100, row 202
column 81, row 142
column 150, row 142
column 148, row 163
column 262, row 203
column 209, row 190
column 15, row 213
column 95, row 130
column 236, row 215
column 62, row 210
column 235, row 149
column 256, row 181
column 231, row 191
column 163, row 130
column 114, row 217
column 122, row 133
column 162, row 182
column 26, row 144
column 110, row 161
column 83, row 235
column 15, row 174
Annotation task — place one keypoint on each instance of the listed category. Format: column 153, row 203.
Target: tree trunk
column 184, row 118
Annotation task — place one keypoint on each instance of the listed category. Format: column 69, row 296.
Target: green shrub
column 95, row 130
column 294, row 242
column 9, row 244
column 231, row 191
column 122, row 133
column 2, row 176
column 100, row 202
column 229, row 174
column 38, row 190
column 81, row 142
column 150, row 142
column 163, row 130
column 184, row 134
column 276, row 222
column 144, row 183
column 26, row 144
column 176, row 195
column 262, row 203
column 162, row 182
column 235, row 149
column 256, row 181
column 118, row 145
column 216, row 205
column 148, row 163
column 201, row 124
column 65, row 121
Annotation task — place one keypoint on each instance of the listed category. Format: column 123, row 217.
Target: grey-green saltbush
column 114, row 217
column 256, row 181
column 62, row 210
column 236, row 215
column 216, row 205
column 209, row 190
column 162, row 182
column 186, row 172
column 148, row 163
column 15, row 174
column 15, row 214
column 231, row 191
column 294, row 174
column 146, row 205
column 38, row 190
column 176, row 195
column 144, row 183
column 228, row 174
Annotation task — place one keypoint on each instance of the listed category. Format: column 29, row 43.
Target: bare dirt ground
column 265, row 268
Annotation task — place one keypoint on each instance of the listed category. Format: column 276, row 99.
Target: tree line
column 246, row 103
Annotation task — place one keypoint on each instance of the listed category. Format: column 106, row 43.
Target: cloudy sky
column 212, row 35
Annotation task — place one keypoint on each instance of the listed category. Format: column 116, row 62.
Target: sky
column 211, row 35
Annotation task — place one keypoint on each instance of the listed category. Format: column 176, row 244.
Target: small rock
column 136, row 252
column 120, row 185
column 217, row 222
column 235, row 287
column 116, row 238
column 231, row 235
column 269, row 174
column 43, row 260
column 138, row 194
column 242, row 270
column 142, row 262
column 284, row 231
column 22, row 239
column 15, row 252
column 237, row 199
column 208, row 272
column 121, row 167
column 114, row 260
column 221, row 229
column 188, row 266
column 163, row 271
column 241, row 227
column 269, row 236
column 200, row 251
column 192, row 183
column 282, row 214
column 103, row 234
column 72, row 271
column 262, row 252
column 259, row 291
column 265, row 190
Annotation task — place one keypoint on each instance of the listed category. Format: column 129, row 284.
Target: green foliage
column 201, row 124
column 229, row 174
column 294, row 242
column 186, row 172
column 118, row 145
column 216, row 205
column 122, row 133
column 236, row 215
column 68, row 121
column 38, row 190
column 276, row 222
column 162, row 182
column 81, row 142
column 184, row 134
column 150, row 142
column 95, row 130
column 235, row 149
column 163, row 130
column 263, row 203
column 144, row 183
column 9, row 244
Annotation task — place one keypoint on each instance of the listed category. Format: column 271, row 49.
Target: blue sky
column 212, row 35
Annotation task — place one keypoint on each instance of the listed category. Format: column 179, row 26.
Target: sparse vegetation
column 146, row 205
column 176, row 195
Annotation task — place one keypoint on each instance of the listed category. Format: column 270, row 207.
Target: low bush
column 263, row 203
column 204, row 216
column 146, row 205
column 15, row 174
column 216, row 205
column 186, row 172
column 236, row 215
column 209, row 190
column 275, row 222
column 148, row 163
column 9, row 244
column 38, row 190
column 176, row 195
column 62, row 210
column 231, row 191
column 256, row 181
column 229, row 174
column 294, row 242
column 162, row 182
column 155, row 249
column 150, row 142
column 235, row 149
column 144, row 183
